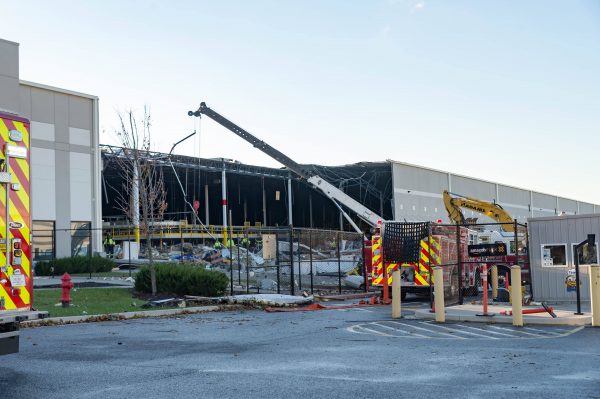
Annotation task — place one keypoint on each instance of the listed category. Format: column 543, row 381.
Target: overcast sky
column 505, row 91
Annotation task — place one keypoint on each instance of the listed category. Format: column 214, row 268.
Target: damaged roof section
column 256, row 193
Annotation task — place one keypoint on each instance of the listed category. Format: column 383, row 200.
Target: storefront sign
column 570, row 281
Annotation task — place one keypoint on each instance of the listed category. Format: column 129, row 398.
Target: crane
column 336, row 195
column 454, row 203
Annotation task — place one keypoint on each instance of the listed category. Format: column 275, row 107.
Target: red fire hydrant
column 66, row 285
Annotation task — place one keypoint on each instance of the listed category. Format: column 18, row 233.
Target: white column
column 224, row 197
column 96, row 180
column 264, row 203
column 206, row 210
column 290, row 202
column 136, row 201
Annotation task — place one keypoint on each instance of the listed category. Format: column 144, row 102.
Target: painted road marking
column 375, row 331
column 424, row 329
column 459, row 330
column 542, row 331
column 487, row 331
column 520, row 331
column 431, row 330
column 398, row 329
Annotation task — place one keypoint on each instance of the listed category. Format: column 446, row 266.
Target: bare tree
column 142, row 195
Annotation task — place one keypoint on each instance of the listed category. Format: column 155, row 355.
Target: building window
column 42, row 243
column 587, row 255
column 554, row 255
column 80, row 238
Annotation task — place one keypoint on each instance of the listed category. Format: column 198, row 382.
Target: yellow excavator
column 454, row 203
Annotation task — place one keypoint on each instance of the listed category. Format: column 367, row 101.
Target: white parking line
column 542, row 331
column 488, row 331
column 517, row 331
column 401, row 330
column 433, row 331
column 375, row 331
column 459, row 331
column 429, row 331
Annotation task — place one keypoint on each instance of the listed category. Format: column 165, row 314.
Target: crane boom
column 338, row 197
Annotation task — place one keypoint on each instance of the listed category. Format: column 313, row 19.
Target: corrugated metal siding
column 418, row 196
column 475, row 188
column 585, row 208
column 511, row 195
column 419, row 179
column 549, row 283
column 567, row 205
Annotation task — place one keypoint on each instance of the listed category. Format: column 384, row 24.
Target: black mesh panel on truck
column 401, row 241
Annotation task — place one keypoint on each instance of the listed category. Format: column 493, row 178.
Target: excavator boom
column 455, row 202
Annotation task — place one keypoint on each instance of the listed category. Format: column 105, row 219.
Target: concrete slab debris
column 269, row 299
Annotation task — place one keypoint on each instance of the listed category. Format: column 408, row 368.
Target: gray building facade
column 65, row 159
column 417, row 196
column 552, row 253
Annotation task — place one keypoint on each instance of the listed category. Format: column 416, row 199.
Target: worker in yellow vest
column 109, row 245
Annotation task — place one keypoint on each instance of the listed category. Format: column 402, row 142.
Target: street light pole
column 181, row 185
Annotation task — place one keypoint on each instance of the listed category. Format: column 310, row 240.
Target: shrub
column 182, row 279
column 75, row 264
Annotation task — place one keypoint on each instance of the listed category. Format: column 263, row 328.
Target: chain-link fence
column 256, row 259
column 465, row 252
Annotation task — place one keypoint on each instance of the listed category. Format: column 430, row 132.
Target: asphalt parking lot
column 334, row 353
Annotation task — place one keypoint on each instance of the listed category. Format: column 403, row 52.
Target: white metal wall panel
column 567, row 205
column 414, row 207
column 42, row 105
column 474, row 188
column 512, row 195
column 79, row 136
column 419, row 179
column 43, row 184
column 81, row 186
column 543, row 205
column 42, row 131
column 418, row 191
column 585, row 208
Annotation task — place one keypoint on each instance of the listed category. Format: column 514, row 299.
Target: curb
column 119, row 316
column 565, row 321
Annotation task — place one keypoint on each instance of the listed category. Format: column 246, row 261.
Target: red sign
column 196, row 205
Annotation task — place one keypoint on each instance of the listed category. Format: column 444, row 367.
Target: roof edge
column 487, row 181
column 57, row 89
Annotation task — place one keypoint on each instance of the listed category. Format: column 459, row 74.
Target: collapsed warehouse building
column 255, row 195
